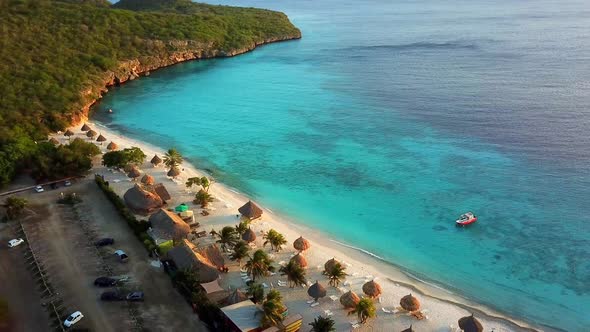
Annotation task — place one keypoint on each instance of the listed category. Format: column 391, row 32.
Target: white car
column 67, row 183
column 15, row 242
column 39, row 189
column 73, row 319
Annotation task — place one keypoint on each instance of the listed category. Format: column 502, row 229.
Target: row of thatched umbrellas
column 467, row 324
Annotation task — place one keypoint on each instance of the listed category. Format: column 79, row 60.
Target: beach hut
column 372, row 289
column 187, row 257
column 68, row 133
column 299, row 259
column 142, row 201
column 250, row 210
column 301, row 244
column 134, row 173
column 166, row 225
column 236, row 297
column 316, row 291
column 53, row 141
column 161, row 191
column 147, row 180
column 85, row 127
column 90, row 134
column 329, row 265
column 409, row 303
column 249, row 236
column 213, row 255
column 173, row 172
column 156, row 160
column 409, row 329
column 470, row 324
column 101, row 139
column 112, row 146
column 349, row 299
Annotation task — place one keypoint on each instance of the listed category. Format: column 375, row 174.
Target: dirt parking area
column 62, row 238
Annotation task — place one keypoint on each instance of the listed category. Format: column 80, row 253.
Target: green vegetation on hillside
column 55, row 55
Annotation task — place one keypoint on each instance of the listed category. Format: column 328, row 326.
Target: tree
column 51, row 162
column 242, row 227
column 336, row 273
column 14, row 206
column 323, row 324
column 203, row 198
column 134, row 155
column 272, row 309
column 276, row 240
column 227, row 237
column 122, row 158
column 194, row 181
column 295, row 274
column 205, row 183
column 259, row 264
column 172, row 158
column 365, row 309
column 240, row 251
column 256, row 292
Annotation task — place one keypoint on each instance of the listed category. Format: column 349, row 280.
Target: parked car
column 122, row 255
column 105, row 282
column 73, row 319
column 39, row 189
column 135, row 296
column 15, row 242
column 67, row 183
column 104, row 242
column 112, row 296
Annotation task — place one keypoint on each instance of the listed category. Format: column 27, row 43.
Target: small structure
column 167, row 226
column 250, row 210
column 187, row 257
column 91, row 133
column 349, row 299
column 243, row 316
column 53, row 141
column 161, row 191
column 134, row 173
column 85, row 127
column 173, row 172
column 68, row 133
column 316, row 291
column 329, row 265
column 101, row 139
column 249, row 236
column 470, row 324
column 181, row 208
column 409, row 303
column 301, row 244
column 409, row 329
column 372, row 289
column 236, row 297
column 213, row 255
column 142, row 201
column 156, row 160
column 300, row 260
column 148, row 180
column 112, row 146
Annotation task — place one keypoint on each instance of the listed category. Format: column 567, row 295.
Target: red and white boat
column 466, row 219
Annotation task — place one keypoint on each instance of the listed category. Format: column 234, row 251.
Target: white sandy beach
column 442, row 308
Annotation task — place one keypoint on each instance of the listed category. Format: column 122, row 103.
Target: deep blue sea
column 391, row 118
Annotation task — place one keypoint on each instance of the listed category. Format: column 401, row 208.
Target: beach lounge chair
column 342, row 289
column 356, row 326
column 386, row 311
column 347, row 283
column 264, row 285
column 334, row 297
column 315, row 304
column 310, row 301
column 273, row 273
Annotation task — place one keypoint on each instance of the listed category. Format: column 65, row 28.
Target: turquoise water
column 388, row 120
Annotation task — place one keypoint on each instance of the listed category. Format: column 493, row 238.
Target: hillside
column 57, row 56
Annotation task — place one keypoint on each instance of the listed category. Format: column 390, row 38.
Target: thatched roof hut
column 250, row 210
column 349, row 299
column 147, row 180
column 185, row 256
column 134, row 173
column 316, row 291
column 213, row 255
column 85, row 127
column 235, row 297
column 470, row 324
column 141, row 200
column 168, row 225
column 409, row 303
column 173, row 172
column 69, row 133
column 91, row 133
column 249, row 236
column 161, row 191
column 53, row 141
column 156, row 160
column 372, row 289
column 299, row 259
column 112, row 146
column 409, row 329
column 330, row 264
column 101, row 138
column 301, row 244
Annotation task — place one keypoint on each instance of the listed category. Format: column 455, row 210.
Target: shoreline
column 393, row 278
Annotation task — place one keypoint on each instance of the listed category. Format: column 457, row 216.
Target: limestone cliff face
column 134, row 68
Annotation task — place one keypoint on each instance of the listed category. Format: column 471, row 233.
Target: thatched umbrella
column 470, row 324
column 147, row 179
column 250, row 210
column 409, row 329
column 409, row 303
column 330, row 264
column 249, row 235
column 91, row 133
column 372, row 289
column 127, row 168
column 85, row 127
column 134, row 173
column 349, row 299
column 112, row 146
column 173, row 172
column 156, row 160
column 53, row 141
column 68, row 133
column 101, row 139
column 299, row 259
column 301, row 244
column 316, row 291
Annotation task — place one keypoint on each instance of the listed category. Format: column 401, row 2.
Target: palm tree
column 242, row 227
column 295, row 274
column 240, row 252
column 365, row 309
column 336, row 273
column 276, row 240
column 227, row 238
column 272, row 309
column 203, row 198
column 259, row 264
column 256, row 292
column 14, row 206
column 172, row 158
column 323, row 324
